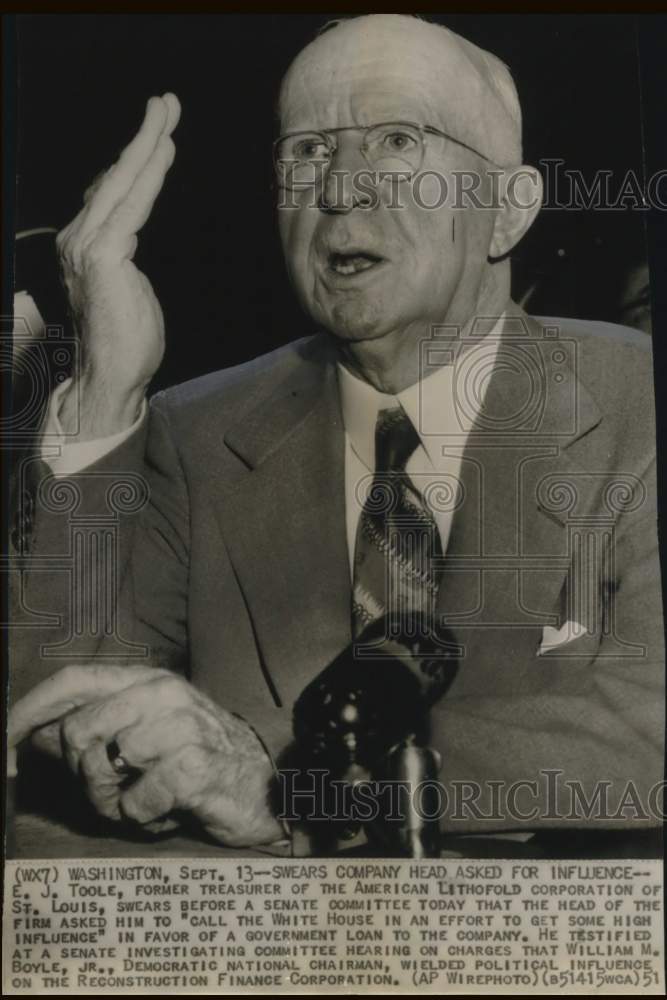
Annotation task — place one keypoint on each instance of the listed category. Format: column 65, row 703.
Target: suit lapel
column 284, row 526
column 509, row 548
column 508, row 554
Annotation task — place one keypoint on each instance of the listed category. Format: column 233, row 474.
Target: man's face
column 364, row 273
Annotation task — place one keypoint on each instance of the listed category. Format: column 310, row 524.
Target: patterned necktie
column 397, row 537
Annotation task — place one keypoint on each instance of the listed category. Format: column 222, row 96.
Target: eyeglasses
column 397, row 148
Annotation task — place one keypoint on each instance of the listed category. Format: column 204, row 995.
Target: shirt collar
column 429, row 403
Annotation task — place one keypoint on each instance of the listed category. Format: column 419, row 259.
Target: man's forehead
column 387, row 66
column 361, row 96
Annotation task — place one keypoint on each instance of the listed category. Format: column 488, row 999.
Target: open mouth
column 352, row 263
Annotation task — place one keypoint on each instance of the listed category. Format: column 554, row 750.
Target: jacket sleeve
column 100, row 561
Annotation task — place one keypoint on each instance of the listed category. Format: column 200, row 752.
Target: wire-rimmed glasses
column 393, row 149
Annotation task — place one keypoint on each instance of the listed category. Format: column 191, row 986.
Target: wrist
column 91, row 408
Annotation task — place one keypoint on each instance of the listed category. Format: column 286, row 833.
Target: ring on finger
column 118, row 762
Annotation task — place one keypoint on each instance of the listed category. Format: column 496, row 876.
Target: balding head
column 380, row 273
column 384, row 67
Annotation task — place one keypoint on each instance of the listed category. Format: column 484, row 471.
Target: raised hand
column 115, row 310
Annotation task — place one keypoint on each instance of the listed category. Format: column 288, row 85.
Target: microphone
column 363, row 722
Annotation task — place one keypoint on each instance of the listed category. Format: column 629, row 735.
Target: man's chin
column 355, row 325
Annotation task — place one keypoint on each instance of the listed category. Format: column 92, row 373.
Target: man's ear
column 520, row 202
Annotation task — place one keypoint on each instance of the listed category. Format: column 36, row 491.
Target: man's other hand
column 183, row 751
column 115, row 310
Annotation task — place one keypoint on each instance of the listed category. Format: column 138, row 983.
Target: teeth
column 351, row 265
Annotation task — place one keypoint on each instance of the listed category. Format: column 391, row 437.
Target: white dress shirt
column 67, row 457
column 442, row 417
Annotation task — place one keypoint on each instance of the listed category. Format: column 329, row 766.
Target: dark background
column 211, row 247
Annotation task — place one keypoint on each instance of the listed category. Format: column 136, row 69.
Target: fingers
column 47, row 739
column 228, row 796
column 131, row 213
column 137, row 176
column 112, row 184
column 173, row 112
column 102, row 782
column 93, row 186
column 142, row 745
column 155, row 794
column 166, row 825
column 104, row 788
column 159, row 120
column 70, row 688
column 147, row 801
column 148, row 710
column 183, row 780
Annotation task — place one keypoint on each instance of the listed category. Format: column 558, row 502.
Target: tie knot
column 395, row 440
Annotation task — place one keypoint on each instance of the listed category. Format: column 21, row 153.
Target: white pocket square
column 554, row 637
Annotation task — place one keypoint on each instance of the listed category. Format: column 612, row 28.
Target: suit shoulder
column 610, row 342
column 233, row 389
column 615, row 365
column 607, row 356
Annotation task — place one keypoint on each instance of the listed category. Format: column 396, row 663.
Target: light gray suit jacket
column 236, row 569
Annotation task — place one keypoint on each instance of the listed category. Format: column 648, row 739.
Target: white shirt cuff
column 66, row 456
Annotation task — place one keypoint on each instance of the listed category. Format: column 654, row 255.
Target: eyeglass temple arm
column 431, row 130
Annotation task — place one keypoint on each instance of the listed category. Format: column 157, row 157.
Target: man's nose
column 344, row 187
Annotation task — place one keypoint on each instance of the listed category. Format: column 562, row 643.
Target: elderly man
column 524, row 450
